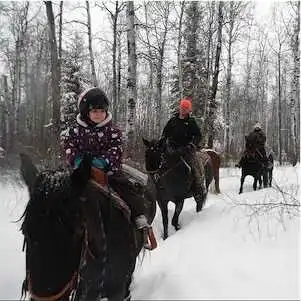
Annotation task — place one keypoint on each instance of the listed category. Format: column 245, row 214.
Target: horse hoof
column 165, row 236
column 177, row 227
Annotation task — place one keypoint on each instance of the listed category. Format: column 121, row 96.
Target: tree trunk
column 94, row 80
column 119, row 105
column 4, row 113
column 295, row 95
column 55, row 79
column 279, row 107
column 180, row 71
column 212, row 101
column 159, row 65
column 114, row 84
column 60, row 34
column 131, row 84
column 208, row 59
column 229, row 79
column 150, row 111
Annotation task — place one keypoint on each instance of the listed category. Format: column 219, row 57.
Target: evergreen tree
column 74, row 80
column 71, row 89
column 193, row 62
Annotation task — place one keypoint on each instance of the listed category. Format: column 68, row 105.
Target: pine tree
column 71, row 89
column 193, row 62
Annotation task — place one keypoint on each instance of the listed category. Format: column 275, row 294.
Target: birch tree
column 91, row 55
column 131, row 84
column 212, row 100
column 295, row 95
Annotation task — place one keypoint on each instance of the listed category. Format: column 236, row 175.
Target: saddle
column 102, row 183
column 101, row 180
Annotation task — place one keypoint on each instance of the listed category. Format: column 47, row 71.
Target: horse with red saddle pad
column 79, row 240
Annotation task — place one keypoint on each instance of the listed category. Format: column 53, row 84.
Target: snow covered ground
column 224, row 252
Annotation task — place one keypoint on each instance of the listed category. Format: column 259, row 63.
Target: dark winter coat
column 181, row 132
column 256, row 139
column 101, row 141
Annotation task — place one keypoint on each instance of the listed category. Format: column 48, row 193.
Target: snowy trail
column 218, row 253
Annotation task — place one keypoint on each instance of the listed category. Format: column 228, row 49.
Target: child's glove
column 100, row 163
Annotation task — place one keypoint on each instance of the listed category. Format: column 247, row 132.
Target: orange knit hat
column 185, row 103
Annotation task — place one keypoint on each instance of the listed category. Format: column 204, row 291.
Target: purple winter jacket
column 102, row 141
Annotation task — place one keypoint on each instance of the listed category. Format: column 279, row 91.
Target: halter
column 69, row 286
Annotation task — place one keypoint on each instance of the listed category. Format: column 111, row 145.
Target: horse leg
column 255, row 182
column 270, row 176
column 260, row 181
column 216, row 180
column 265, row 178
column 242, row 179
column 164, row 212
column 178, row 210
column 200, row 200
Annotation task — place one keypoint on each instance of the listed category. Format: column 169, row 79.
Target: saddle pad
column 99, row 176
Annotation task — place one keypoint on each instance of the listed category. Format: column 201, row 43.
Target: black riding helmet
column 93, row 98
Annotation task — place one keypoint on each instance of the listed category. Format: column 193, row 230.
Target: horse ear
column 28, row 170
column 146, row 142
column 82, row 174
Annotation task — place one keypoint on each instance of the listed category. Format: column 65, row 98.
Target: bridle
column 156, row 175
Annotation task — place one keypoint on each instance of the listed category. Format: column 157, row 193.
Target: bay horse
column 79, row 244
column 215, row 163
column 175, row 183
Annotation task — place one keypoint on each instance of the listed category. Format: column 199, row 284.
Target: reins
column 156, row 171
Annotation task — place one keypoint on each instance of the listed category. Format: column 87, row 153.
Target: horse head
column 71, row 232
column 153, row 154
column 53, row 228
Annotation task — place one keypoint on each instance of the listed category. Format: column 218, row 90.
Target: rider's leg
column 198, row 173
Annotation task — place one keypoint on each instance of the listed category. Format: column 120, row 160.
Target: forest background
column 239, row 61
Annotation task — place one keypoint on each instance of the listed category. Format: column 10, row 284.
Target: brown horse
column 215, row 163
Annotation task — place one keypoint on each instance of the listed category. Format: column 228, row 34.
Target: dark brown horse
column 79, row 242
column 174, row 183
column 251, row 165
